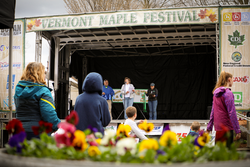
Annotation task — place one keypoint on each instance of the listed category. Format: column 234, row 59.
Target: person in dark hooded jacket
column 91, row 107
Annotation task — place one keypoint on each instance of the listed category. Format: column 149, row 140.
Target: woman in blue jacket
column 33, row 99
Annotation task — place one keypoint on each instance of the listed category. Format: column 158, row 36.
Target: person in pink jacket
column 223, row 112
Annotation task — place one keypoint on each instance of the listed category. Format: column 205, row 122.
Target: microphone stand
column 124, row 102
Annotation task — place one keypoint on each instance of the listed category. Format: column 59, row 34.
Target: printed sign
column 158, row 128
column 236, row 39
column 139, row 93
column 111, row 126
column 244, row 79
column 234, row 52
column 18, row 61
column 238, row 98
column 183, row 130
column 125, row 18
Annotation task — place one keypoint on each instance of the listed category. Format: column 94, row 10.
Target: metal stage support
column 217, row 51
column 10, row 71
column 84, row 67
column 38, row 48
column 61, row 78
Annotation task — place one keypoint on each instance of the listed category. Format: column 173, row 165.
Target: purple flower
column 16, row 139
column 94, row 130
column 201, row 133
column 166, row 128
column 160, row 152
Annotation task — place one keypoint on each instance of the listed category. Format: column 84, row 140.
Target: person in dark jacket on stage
column 152, row 94
column 33, row 99
column 91, row 107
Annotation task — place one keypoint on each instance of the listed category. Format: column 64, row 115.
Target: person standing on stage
column 107, row 93
column 152, row 94
column 128, row 90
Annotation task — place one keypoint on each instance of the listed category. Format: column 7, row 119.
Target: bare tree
column 82, row 6
column 212, row 2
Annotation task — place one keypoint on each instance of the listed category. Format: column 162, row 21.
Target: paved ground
column 17, row 161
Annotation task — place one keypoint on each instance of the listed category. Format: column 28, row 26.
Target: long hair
column 34, row 72
column 223, row 79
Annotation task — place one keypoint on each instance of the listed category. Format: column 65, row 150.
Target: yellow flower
column 123, row 129
column 79, row 141
column 196, row 149
column 168, row 138
column 149, row 144
column 93, row 151
column 98, row 141
column 147, row 127
column 202, row 140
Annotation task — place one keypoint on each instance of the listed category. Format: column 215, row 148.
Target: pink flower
column 68, row 136
column 92, row 140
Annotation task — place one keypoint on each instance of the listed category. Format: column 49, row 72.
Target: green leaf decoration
column 236, row 39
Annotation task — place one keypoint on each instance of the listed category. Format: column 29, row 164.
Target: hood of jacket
column 92, row 83
column 27, row 88
column 219, row 91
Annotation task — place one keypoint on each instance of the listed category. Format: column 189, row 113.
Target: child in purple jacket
column 223, row 110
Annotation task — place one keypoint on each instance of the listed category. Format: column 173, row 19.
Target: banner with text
column 124, row 18
column 18, row 61
column 139, row 93
column 235, row 42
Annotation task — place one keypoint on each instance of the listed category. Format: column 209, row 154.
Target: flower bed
column 72, row 144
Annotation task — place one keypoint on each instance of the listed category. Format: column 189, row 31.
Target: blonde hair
column 223, row 79
column 127, row 79
column 34, row 72
column 130, row 111
column 195, row 126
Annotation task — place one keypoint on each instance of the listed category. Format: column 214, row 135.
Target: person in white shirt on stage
column 128, row 90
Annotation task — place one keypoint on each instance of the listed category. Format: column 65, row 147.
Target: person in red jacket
column 223, row 115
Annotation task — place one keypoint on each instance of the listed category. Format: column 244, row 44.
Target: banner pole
column 10, row 70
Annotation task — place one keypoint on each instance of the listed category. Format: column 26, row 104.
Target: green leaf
column 236, row 39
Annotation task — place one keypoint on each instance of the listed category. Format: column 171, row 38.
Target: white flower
column 126, row 144
column 109, row 134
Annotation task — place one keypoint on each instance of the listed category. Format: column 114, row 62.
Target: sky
column 33, row 8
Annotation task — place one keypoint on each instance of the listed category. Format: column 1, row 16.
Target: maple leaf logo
column 29, row 26
column 212, row 17
column 202, row 14
column 236, row 39
column 38, row 22
column 210, row 12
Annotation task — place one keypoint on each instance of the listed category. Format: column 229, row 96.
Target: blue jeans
column 128, row 102
column 152, row 105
